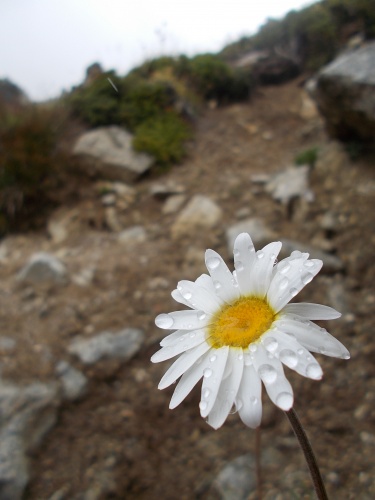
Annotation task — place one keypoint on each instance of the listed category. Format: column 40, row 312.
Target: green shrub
column 163, row 137
column 98, row 103
column 144, row 100
column 307, row 157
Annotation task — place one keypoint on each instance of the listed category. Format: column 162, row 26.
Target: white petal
column 261, row 270
column 182, row 364
column 291, row 275
column 186, row 341
column 225, row 285
column 249, row 398
column 244, row 256
column 311, row 336
column 176, row 295
column 292, row 354
column 312, row 311
column 212, row 377
column 205, row 281
column 270, row 370
column 188, row 380
column 173, row 338
column 182, row 320
column 198, row 297
column 227, row 391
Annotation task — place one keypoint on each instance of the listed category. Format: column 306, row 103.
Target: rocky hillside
column 82, row 418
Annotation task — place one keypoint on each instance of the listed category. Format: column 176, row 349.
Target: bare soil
column 121, row 440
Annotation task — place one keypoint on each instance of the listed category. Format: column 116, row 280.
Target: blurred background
column 132, row 138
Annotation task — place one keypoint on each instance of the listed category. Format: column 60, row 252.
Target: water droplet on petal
column 289, row 358
column 253, row 348
column 164, row 321
column 283, row 283
column 307, row 278
column 267, row 373
column 206, row 393
column 284, row 401
column 213, row 263
column 293, row 291
column 283, row 267
column 201, row 316
column 260, row 254
column 254, row 400
column 187, row 295
column 207, row 373
column 300, row 352
column 309, row 263
column 240, row 356
column 192, row 335
column 313, row 370
column 236, row 252
column 248, row 361
column 213, row 358
column 238, row 265
column 217, row 285
column 270, row 344
column 272, row 256
column 203, row 405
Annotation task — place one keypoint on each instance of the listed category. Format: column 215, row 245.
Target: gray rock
column 111, row 154
column 27, row 414
column 163, row 191
column 43, row 268
column 200, row 213
column 173, row 204
column 121, row 345
column 259, row 232
column 292, row 183
column 237, row 479
column 345, row 94
column 74, row 383
column 132, row 235
column 331, row 263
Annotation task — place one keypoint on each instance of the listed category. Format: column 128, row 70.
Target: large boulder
column 345, row 93
column 110, row 154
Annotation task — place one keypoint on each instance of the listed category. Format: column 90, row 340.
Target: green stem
column 309, row 454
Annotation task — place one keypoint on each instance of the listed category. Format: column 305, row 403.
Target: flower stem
column 309, row 454
column 258, row 465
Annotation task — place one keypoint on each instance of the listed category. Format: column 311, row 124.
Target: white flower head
column 240, row 330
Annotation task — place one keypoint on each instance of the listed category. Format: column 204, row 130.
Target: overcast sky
column 46, row 45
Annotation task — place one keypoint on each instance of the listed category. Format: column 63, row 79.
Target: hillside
column 119, row 439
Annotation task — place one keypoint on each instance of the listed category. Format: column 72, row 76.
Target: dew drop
column 313, row 370
column 217, row 285
column 270, row 344
column 201, row 316
column 289, row 358
column 187, row 295
column 213, row 358
column 272, row 256
column 203, row 405
column 236, row 252
column 293, row 291
column 253, row 348
column 283, row 267
column 206, row 393
column 192, row 335
column 240, row 356
column 307, row 278
column 260, row 254
column 309, row 263
column 238, row 265
column 207, row 373
column 283, row 283
column 213, row 263
column 267, row 373
column 284, row 401
column 248, row 361
column 254, row 400
column 164, row 321
column 300, row 352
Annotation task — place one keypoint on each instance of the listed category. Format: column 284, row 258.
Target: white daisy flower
column 241, row 330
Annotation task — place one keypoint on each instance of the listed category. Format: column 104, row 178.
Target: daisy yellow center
column 240, row 323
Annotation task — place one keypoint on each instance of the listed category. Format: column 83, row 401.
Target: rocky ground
column 88, row 422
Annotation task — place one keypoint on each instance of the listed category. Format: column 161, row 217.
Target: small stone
column 132, row 235
column 74, row 383
column 289, row 184
column 43, row 268
column 173, row 204
column 201, row 213
column 109, row 200
column 121, row 345
column 237, row 479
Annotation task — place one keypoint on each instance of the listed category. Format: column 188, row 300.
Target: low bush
column 307, row 157
column 163, row 137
